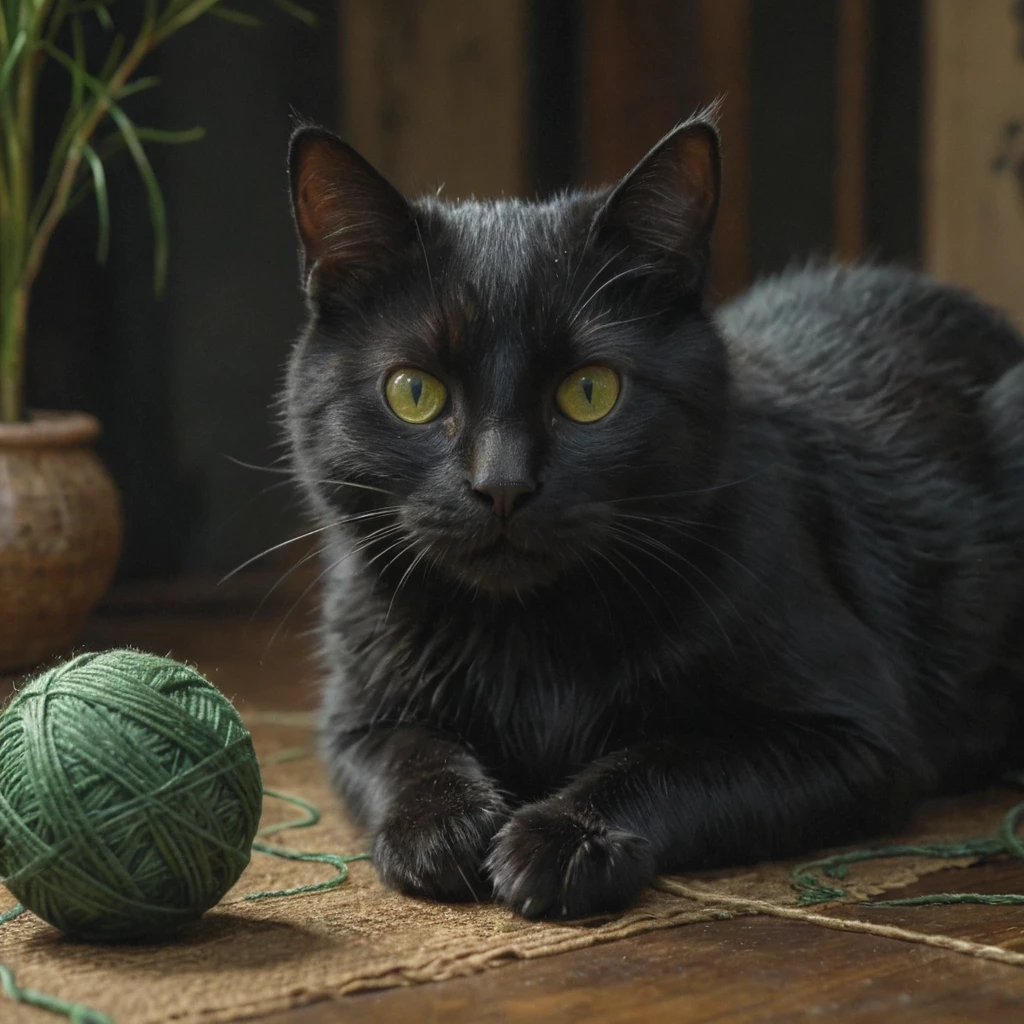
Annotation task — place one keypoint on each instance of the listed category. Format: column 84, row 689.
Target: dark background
column 185, row 383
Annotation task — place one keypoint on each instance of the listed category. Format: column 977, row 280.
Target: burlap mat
column 248, row 958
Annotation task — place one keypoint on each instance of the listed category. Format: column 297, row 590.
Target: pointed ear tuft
column 666, row 205
column 351, row 220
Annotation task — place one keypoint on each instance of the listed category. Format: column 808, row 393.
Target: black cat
column 615, row 585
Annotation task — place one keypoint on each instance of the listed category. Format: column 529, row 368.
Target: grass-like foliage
column 38, row 188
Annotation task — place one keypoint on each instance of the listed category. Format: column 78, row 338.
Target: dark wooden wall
column 648, row 66
column 819, row 116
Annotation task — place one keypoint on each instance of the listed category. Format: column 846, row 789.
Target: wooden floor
column 747, row 969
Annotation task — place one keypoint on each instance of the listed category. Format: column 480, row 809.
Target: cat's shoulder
column 857, row 298
column 862, row 320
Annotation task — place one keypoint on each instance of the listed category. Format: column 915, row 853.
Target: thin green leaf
column 113, row 144
column 100, row 88
column 11, row 60
column 78, row 43
column 53, row 20
column 77, row 111
column 139, row 85
column 171, row 137
column 155, row 198
column 99, row 184
column 176, row 7
column 238, row 17
column 59, row 150
column 99, row 8
column 106, row 149
column 177, row 16
column 113, row 57
column 58, row 156
column 297, row 11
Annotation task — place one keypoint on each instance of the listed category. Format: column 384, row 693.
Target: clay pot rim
column 47, row 429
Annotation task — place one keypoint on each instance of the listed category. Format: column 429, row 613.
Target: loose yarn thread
column 807, row 882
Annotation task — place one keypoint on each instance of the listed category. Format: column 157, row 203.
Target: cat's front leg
column 429, row 806
column 706, row 801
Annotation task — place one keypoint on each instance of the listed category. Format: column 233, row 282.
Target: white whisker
column 696, row 491
column 632, row 586
column 292, row 476
column 377, row 513
column 329, row 569
column 643, row 268
column 586, row 289
column 375, row 535
column 624, row 538
column 412, row 565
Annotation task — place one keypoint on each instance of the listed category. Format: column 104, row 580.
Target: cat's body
column 767, row 608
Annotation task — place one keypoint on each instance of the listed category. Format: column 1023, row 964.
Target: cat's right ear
column 351, row 221
column 665, row 207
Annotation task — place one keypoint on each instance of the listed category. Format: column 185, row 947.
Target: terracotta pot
column 60, row 534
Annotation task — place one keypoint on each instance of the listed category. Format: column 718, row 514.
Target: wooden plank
column 974, row 149
column 635, row 56
column 894, row 181
column 852, row 56
column 435, row 95
column 793, row 128
column 646, row 67
column 553, row 115
column 724, row 32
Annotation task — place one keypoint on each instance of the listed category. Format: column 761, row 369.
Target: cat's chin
column 504, row 568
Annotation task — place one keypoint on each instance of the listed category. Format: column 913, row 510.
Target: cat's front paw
column 435, row 837
column 551, row 860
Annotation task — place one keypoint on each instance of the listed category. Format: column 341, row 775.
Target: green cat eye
column 588, row 394
column 415, row 396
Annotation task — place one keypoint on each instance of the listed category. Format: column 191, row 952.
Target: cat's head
column 506, row 392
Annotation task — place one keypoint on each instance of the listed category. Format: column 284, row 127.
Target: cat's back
column 882, row 340
column 896, row 405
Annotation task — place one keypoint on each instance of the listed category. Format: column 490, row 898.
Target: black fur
column 769, row 602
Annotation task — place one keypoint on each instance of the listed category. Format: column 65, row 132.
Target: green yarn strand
column 1008, row 832
column 75, row 1012
column 806, row 879
column 995, row 899
column 9, row 915
column 291, row 754
column 310, row 818
column 335, row 860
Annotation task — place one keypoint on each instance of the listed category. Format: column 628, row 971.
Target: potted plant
column 60, row 528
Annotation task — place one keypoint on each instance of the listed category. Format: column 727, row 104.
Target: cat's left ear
column 665, row 207
column 352, row 222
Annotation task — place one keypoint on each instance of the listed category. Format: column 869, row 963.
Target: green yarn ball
column 130, row 795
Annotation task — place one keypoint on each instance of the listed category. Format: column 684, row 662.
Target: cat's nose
column 505, row 496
